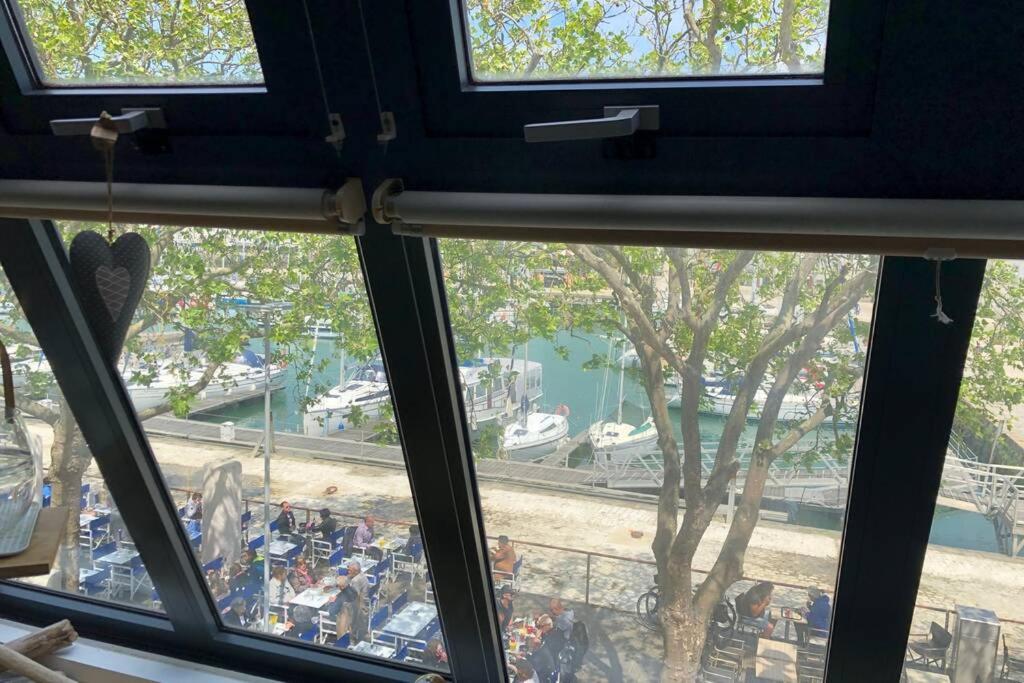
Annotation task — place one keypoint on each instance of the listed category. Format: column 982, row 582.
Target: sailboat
column 533, row 435
column 618, row 439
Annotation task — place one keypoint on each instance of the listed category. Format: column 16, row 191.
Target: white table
column 375, row 649
column 278, row 549
column 411, row 621
column 366, row 565
column 918, row 676
column 122, row 573
column 314, row 596
column 775, row 661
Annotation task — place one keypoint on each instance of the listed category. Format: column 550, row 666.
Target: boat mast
column 622, row 373
column 526, row 382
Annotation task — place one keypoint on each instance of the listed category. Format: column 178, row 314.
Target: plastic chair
column 343, row 642
column 378, row 618
column 215, row 564
column 256, row 543
column 1013, row 666
column 399, row 602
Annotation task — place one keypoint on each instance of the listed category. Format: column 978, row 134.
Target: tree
column 684, row 310
column 142, row 40
column 195, row 273
column 631, row 38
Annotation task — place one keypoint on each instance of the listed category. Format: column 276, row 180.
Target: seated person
column 414, row 546
column 326, row 527
column 541, row 659
column 505, row 607
column 552, row 638
column 238, row 576
column 503, row 558
column 279, row 590
column 435, row 655
column 564, row 618
column 342, row 606
column 525, row 673
column 818, row 612
column 300, row 576
column 236, row 615
column 301, row 621
column 218, row 586
column 364, row 533
column 286, row 521
column 752, row 606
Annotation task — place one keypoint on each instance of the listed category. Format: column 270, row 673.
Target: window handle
column 130, row 121
column 617, row 122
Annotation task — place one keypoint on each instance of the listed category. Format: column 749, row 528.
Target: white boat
column 535, row 436
column 366, row 390
column 488, row 390
column 623, row 439
column 243, row 375
column 490, row 393
column 320, row 329
column 619, row 439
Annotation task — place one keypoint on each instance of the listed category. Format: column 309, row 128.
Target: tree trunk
column 66, row 469
column 683, row 635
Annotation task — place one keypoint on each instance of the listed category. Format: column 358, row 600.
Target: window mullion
column 403, row 281
column 914, row 368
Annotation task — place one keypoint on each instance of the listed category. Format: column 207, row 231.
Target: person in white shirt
column 279, row 589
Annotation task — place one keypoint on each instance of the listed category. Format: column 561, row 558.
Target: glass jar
column 21, row 472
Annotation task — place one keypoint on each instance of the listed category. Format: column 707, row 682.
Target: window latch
column 130, row 121
column 617, row 122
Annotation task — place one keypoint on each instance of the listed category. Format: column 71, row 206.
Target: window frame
column 286, row 53
column 840, row 102
column 415, row 336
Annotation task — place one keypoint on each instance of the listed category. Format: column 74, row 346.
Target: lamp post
column 267, row 310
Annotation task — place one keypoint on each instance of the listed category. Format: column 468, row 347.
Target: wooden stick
column 45, row 641
column 30, row 668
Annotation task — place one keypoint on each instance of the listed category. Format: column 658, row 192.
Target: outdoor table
column 789, row 613
column 775, row 661
column 375, row 649
column 122, row 571
column 314, row 596
column 367, row 566
column 918, row 676
column 785, row 630
column 389, row 544
column 279, row 549
column 412, row 621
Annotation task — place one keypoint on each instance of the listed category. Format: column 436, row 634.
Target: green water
column 566, row 382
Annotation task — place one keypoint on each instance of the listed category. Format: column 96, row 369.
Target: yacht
column 534, row 436
column 245, row 374
column 621, row 439
column 367, row 390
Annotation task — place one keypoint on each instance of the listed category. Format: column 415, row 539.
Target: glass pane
column 616, row 39
column 228, row 319
column 97, row 557
column 140, row 42
column 967, row 622
column 606, row 368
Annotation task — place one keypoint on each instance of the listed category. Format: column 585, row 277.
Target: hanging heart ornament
column 110, row 279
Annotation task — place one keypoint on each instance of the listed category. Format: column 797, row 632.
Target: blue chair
column 402, row 653
column 399, row 602
column 105, row 549
column 256, row 543
column 343, row 642
column 225, row 602
column 309, row 634
column 378, row 618
column 273, row 525
column 215, row 564
column 383, row 567
column 336, row 557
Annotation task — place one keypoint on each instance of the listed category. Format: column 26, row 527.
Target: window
column 719, row 361
column 347, row 567
column 553, row 40
column 96, row 559
column 141, row 42
column 963, row 623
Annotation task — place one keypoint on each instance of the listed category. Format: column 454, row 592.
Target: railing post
column 586, row 597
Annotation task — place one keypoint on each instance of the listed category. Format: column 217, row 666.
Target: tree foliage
column 644, row 38
column 157, row 41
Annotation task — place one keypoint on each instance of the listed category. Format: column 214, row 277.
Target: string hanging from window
column 939, row 314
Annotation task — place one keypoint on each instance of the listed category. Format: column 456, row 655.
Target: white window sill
column 89, row 661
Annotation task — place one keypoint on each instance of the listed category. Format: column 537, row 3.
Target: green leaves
column 142, row 41
column 524, row 39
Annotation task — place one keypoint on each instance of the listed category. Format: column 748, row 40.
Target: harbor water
column 590, row 395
